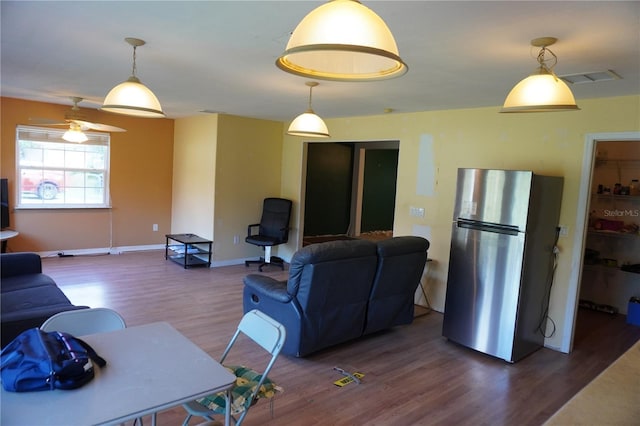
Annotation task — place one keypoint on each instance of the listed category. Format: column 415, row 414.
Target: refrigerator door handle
column 489, row 227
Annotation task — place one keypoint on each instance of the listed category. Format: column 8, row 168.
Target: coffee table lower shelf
column 188, row 250
column 189, row 260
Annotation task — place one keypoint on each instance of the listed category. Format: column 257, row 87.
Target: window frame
column 66, row 172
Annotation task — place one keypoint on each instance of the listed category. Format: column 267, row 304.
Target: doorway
column 582, row 224
column 612, row 252
column 350, row 190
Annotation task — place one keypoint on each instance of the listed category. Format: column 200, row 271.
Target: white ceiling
column 219, row 55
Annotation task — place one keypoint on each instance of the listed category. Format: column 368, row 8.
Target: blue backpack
column 37, row 360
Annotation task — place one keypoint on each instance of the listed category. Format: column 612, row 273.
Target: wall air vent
column 590, row 77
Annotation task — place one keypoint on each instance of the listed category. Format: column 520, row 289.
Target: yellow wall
column 547, row 143
column 225, row 166
column 194, row 159
column 247, row 171
column 140, row 182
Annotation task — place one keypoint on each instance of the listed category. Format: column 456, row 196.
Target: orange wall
column 140, row 184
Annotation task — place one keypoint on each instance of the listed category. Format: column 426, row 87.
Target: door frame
column 582, row 213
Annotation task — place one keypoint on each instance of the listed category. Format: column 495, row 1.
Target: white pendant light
column 342, row 40
column 74, row 134
column 308, row 124
column 131, row 97
column 543, row 90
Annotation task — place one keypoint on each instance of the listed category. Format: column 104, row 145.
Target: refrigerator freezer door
column 483, row 290
column 494, row 196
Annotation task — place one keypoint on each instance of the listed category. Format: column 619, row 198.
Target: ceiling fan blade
column 76, row 119
column 47, row 122
column 98, row 126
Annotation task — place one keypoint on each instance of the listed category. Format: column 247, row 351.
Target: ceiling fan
column 77, row 124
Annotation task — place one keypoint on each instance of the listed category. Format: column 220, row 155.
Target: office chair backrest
column 276, row 213
column 85, row 321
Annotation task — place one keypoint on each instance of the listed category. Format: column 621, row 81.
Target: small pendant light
column 308, row 124
column 131, row 97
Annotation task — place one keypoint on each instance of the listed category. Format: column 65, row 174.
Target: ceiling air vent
column 590, row 77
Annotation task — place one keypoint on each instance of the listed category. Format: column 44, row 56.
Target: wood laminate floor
column 413, row 376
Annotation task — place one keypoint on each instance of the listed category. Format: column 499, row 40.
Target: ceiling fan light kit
column 308, row 124
column 131, row 97
column 77, row 124
column 542, row 91
column 74, row 134
column 342, row 40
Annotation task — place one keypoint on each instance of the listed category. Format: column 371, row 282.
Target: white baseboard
column 102, row 250
column 124, row 249
column 230, row 262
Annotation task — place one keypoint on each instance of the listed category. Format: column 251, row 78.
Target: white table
column 149, row 368
column 5, row 235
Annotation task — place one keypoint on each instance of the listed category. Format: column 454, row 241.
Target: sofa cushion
column 32, row 298
column 401, row 262
column 246, row 383
column 21, row 282
column 331, row 283
column 29, row 297
column 332, row 251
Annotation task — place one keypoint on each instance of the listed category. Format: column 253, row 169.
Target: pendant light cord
column 543, row 62
column 311, row 85
column 133, row 70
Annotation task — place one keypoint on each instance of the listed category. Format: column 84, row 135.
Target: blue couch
column 28, row 296
column 340, row 290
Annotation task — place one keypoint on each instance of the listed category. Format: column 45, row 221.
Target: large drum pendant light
column 342, row 40
column 131, row 97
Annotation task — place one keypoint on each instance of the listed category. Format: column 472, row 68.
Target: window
column 54, row 173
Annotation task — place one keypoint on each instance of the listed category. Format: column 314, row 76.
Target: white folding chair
column 252, row 385
column 85, row 321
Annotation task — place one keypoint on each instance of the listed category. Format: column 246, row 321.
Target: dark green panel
column 328, row 191
column 379, row 190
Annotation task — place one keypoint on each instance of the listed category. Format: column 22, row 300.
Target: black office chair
column 273, row 230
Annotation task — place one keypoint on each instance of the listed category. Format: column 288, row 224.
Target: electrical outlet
column 564, row 230
column 155, row 227
column 236, row 239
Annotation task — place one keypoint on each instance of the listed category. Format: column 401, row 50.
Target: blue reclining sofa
column 340, row 290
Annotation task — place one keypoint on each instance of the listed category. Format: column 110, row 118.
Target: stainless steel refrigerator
column 505, row 228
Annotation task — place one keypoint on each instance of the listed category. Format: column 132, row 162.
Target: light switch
column 416, row 211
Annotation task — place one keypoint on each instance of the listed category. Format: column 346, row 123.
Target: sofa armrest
column 268, row 287
column 13, row 264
